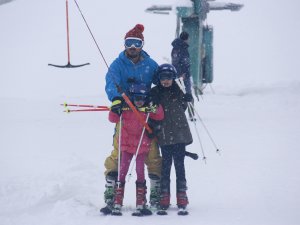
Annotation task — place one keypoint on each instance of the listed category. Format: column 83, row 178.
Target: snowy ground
column 51, row 163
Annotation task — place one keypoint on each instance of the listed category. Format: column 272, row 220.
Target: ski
column 142, row 211
column 116, row 212
column 106, row 210
column 182, row 212
column 162, row 212
column 146, row 212
column 137, row 213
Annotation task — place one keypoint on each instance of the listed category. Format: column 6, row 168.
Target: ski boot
column 164, row 203
column 118, row 202
column 154, row 192
column 141, row 207
column 109, row 193
column 182, row 199
column 165, row 196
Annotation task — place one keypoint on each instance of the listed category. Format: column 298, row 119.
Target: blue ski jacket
column 123, row 69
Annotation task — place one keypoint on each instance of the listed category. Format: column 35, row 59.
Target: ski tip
column 146, row 212
column 137, row 214
column 105, row 211
column 162, row 212
column 116, row 213
column 182, row 212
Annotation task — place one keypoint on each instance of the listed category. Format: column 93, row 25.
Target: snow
column 51, row 163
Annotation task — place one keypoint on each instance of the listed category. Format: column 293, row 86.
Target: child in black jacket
column 173, row 134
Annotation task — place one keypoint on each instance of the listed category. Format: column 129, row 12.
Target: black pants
column 174, row 152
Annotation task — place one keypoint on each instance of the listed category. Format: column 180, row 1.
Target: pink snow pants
column 125, row 162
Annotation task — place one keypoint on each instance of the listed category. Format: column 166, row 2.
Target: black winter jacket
column 181, row 57
column 174, row 128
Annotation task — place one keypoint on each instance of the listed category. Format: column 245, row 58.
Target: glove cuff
column 117, row 98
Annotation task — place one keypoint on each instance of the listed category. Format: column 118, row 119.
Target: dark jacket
column 181, row 61
column 181, row 57
column 174, row 128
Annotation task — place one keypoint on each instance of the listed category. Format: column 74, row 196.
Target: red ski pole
column 84, row 110
column 68, row 31
column 88, row 106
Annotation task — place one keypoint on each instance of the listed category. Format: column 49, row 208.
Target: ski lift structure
column 68, row 65
column 191, row 19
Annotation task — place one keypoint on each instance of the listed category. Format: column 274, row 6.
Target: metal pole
column 68, row 32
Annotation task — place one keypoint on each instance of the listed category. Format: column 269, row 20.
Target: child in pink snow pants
column 131, row 135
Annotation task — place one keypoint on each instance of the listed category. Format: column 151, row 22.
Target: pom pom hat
column 136, row 32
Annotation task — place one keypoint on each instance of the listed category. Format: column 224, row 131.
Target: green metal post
column 207, row 55
column 201, row 38
column 191, row 25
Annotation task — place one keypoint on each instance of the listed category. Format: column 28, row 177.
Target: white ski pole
column 209, row 135
column 119, row 153
column 182, row 87
column 137, row 151
column 203, row 124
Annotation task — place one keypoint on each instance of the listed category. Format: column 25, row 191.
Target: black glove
column 117, row 104
column 155, row 127
column 151, row 136
column 187, row 97
column 153, row 99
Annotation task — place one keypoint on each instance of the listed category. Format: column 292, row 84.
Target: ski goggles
column 166, row 76
column 133, row 43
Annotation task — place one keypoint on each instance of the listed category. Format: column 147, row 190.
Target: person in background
column 181, row 61
column 133, row 65
column 173, row 134
column 131, row 136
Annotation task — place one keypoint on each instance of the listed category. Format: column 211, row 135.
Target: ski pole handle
column 180, row 83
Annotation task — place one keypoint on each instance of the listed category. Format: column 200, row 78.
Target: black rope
column 91, row 33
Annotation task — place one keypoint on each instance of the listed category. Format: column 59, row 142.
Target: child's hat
column 138, row 89
column 166, row 72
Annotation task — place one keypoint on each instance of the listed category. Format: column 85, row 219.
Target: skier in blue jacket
column 133, row 65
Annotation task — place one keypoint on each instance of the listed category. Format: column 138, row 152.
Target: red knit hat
column 136, row 32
